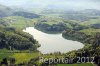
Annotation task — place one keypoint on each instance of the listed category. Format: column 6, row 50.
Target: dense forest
column 16, row 39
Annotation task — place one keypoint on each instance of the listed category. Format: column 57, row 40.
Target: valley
column 66, row 33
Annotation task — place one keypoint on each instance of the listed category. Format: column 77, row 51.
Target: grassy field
column 20, row 22
column 20, row 57
column 83, row 64
column 92, row 21
column 90, row 31
column 24, row 57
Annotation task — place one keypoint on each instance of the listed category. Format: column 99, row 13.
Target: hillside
column 26, row 14
column 15, row 38
column 5, row 11
column 83, row 15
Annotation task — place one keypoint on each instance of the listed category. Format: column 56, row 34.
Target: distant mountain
column 26, row 14
column 5, row 11
column 92, row 12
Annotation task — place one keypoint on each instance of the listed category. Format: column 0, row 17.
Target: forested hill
column 26, row 14
column 16, row 39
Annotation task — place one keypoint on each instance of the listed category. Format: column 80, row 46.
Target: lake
column 51, row 43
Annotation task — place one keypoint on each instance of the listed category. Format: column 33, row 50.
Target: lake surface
column 51, row 43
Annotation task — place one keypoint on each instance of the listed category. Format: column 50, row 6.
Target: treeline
column 54, row 28
column 82, row 37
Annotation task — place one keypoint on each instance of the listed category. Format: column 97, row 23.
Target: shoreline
column 59, row 38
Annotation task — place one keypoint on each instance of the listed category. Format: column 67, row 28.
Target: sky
column 79, row 4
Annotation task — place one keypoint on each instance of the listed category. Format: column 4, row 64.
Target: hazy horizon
column 65, row 4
